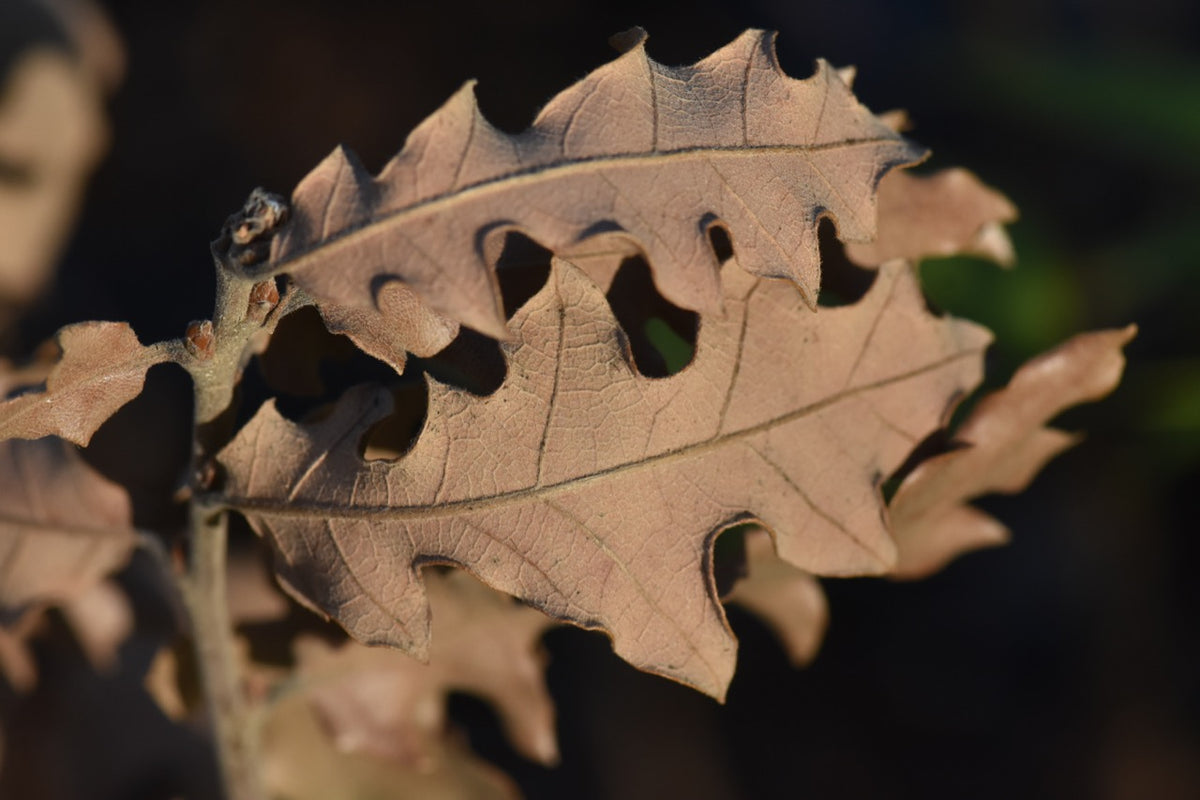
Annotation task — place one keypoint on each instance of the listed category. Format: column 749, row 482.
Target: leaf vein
column 309, row 508
column 349, row 237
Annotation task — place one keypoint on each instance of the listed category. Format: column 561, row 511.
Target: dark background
column 1065, row 665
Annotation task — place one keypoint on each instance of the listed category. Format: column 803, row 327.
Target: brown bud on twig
column 200, row 340
column 262, row 214
column 245, row 238
column 263, row 297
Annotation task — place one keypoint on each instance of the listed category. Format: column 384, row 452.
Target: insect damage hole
column 394, row 435
column 661, row 335
column 729, row 556
column 843, row 283
column 522, row 269
column 473, row 361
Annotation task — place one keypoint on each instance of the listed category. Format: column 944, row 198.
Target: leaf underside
column 380, row 701
column 595, row 493
column 636, row 150
column 63, row 526
column 102, row 367
column 947, row 213
column 999, row 448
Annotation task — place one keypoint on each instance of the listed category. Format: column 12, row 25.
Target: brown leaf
column 382, row 702
column 17, row 664
column 353, row 721
column 101, row 619
column 299, row 762
column 103, row 367
column 162, row 684
column 659, row 154
column 251, row 593
column 35, row 371
column 1000, row 448
column 593, row 492
column 787, row 599
column 398, row 323
column 63, row 526
column 946, row 213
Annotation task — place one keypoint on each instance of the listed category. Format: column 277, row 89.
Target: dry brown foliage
column 590, row 491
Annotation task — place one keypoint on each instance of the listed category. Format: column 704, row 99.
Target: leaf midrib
column 353, row 235
column 306, row 509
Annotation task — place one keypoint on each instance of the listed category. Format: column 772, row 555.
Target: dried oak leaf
column 299, row 762
column 999, row 448
column 946, row 213
column 381, row 702
column 397, row 324
column 30, row 373
column 101, row 618
column 102, row 367
column 162, row 683
column 659, row 154
column 789, row 600
column 950, row 212
column 354, row 721
column 251, row 592
column 594, row 493
column 17, row 664
column 63, row 528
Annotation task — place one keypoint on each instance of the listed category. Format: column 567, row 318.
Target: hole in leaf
column 729, row 557
column 661, row 335
column 306, row 368
column 843, row 283
column 395, row 434
column 292, row 361
column 931, row 306
column 522, row 267
column 676, row 351
column 472, row 362
column 722, row 245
